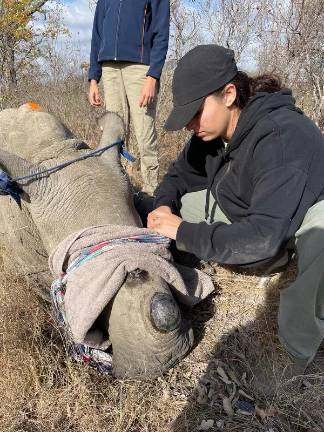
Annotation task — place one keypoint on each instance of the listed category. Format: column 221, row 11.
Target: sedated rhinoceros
column 145, row 340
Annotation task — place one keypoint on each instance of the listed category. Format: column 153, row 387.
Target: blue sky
column 78, row 17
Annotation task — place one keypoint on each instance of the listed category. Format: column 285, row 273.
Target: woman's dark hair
column 247, row 86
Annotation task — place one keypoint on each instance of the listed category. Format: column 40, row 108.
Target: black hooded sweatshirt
column 270, row 174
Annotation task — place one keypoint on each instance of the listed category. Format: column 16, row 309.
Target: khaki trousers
column 123, row 83
column 301, row 308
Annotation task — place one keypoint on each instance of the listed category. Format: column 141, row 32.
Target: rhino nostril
column 165, row 313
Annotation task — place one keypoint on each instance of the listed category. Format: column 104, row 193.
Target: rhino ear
column 16, row 166
column 113, row 128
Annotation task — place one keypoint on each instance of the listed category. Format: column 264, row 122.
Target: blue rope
column 9, row 186
column 97, row 152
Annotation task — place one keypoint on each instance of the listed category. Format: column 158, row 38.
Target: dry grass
column 42, row 390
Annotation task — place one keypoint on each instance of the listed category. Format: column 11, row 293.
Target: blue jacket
column 130, row 30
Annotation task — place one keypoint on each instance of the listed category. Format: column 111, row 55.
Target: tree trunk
column 9, row 41
column 8, row 66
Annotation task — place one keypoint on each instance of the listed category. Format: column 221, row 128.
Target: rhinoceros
column 146, row 340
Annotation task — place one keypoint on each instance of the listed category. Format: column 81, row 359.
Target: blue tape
column 126, row 154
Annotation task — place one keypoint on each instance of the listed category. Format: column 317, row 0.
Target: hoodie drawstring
column 213, row 210
column 207, row 202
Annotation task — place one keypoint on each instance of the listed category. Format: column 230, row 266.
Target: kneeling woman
column 248, row 184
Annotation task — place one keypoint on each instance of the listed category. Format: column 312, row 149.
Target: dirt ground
column 231, row 381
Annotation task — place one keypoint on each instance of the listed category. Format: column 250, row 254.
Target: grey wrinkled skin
column 144, row 322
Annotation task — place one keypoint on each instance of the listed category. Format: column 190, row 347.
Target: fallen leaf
column 227, row 405
column 261, row 413
column 233, row 377
column 247, row 396
column 233, row 393
column 264, row 413
column 307, row 384
column 223, row 375
column 202, row 396
column 211, row 393
column 220, row 424
column 240, row 355
column 166, row 394
column 242, row 412
column 243, row 379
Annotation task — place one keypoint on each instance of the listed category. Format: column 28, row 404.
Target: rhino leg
column 147, row 331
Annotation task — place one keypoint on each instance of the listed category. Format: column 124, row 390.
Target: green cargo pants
column 301, row 308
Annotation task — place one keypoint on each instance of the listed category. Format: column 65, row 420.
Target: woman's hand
column 164, row 222
column 94, row 97
column 148, row 92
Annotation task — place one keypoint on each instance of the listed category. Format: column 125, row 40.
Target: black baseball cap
column 200, row 72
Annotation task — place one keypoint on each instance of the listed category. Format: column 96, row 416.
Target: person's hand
column 94, row 97
column 164, row 222
column 152, row 215
column 148, row 92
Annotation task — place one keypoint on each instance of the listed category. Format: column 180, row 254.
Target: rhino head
column 144, row 322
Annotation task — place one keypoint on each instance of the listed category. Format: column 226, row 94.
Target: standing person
column 248, row 182
column 128, row 49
